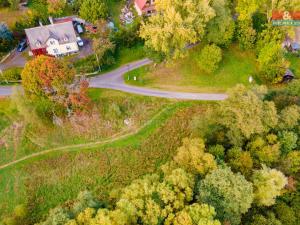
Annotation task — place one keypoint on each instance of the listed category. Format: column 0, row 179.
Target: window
column 68, row 47
column 55, row 50
column 52, row 42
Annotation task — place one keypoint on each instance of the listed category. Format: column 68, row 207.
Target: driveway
column 16, row 59
column 114, row 80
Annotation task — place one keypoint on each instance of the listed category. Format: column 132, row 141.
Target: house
column 54, row 39
column 144, row 7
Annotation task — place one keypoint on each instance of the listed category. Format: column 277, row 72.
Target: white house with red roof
column 144, row 7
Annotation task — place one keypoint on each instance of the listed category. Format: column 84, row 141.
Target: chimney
column 51, row 20
column 40, row 22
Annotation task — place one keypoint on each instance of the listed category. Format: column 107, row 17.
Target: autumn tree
column 272, row 64
column 175, row 25
column 192, row 157
column 267, row 184
column 196, row 214
column 56, row 7
column 266, row 150
column 93, row 10
column 240, row 161
column 230, row 194
column 244, row 113
column 209, row 58
column 246, row 34
column 291, row 163
column 51, row 82
column 270, row 34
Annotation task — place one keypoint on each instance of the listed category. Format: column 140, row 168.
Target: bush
column 11, row 75
column 209, row 58
column 272, row 64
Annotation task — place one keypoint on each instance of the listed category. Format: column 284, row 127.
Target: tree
column 92, row 10
column 269, row 219
column 244, row 113
column 230, row 194
column 209, row 58
column 246, row 34
column 14, row 4
column 285, row 214
column 192, row 157
column 220, row 29
column 267, row 184
column 102, row 45
column 270, row 34
column 175, row 25
column 289, row 117
column 56, row 7
column 6, row 38
column 291, row 163
column 265, row 151
column 246, row 8
column 47, row 83
column 288, row 141
column 272, row 64
column 196, row 214
column 240, row 161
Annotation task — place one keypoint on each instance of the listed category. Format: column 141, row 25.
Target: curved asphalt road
column 114, row 80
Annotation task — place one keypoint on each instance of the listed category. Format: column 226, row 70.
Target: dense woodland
column 240, row 163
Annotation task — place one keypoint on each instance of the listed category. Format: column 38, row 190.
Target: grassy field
column 110, row 110
column 45, row 181
column 9, row 16
column 185, row 75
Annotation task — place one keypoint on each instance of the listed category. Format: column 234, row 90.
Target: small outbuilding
column 288, row 76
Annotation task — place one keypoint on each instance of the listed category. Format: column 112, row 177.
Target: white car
column 80, row 42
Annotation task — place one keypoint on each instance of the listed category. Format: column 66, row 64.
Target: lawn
column 46, row 181
column 295, row 64
column 185, row 75
column 10, row 17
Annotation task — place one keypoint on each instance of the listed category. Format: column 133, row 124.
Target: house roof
column 141, row 3
column 62, row 32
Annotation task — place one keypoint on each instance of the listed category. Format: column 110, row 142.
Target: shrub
column 11, row 75
column 209, row 58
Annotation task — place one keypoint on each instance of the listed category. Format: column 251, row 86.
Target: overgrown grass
column 52, row 179
column 186, row 75
column 107, row 118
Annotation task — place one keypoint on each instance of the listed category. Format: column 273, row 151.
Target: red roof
column 141, row 3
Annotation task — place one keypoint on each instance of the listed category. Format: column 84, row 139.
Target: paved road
column 114, row 80
column 16, row 59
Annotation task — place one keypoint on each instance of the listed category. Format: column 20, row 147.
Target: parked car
column 79, row 28
column 22, row 45
column 80, row 42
